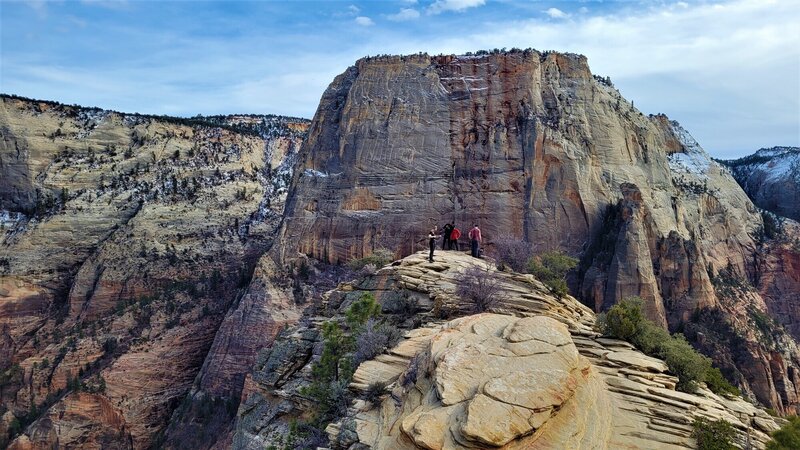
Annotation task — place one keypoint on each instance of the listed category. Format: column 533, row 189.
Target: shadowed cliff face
column 529, row 146
column 125, row 240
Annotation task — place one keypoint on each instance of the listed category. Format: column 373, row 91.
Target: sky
column 729, row 71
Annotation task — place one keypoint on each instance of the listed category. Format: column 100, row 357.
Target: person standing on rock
column 432, row 238
column 454, row 238
column 446, row 231
column 475, row 240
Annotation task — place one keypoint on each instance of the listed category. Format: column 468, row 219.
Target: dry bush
column 480, row 288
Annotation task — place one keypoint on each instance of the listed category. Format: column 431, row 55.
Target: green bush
column 788, row 437
column 626, row 321
column 332, row 374
column 379, row 258
column 716, row 435
column 685, row 362
column 719, row 384
column 551, row 269
column 361, row 310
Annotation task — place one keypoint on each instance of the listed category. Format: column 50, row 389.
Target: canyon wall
column 126, row 239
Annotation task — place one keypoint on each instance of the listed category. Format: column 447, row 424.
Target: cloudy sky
column 729, row 71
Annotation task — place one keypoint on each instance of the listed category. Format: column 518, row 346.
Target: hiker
column 475, row 240
column 454, row 235
column 446, row 231
column 432, row 238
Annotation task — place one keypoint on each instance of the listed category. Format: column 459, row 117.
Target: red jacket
column 475, row 234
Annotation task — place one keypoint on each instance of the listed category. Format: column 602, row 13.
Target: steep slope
column 771, row 177
column 532, row 374
column 125, row 241
column 531, row 146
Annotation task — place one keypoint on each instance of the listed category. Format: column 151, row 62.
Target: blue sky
column 729, row 71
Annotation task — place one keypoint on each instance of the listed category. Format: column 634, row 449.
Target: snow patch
column 315, row 173
column 786, row 165
column 10, row 219
column 692, row 159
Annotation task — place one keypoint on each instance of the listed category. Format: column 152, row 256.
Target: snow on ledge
column 693, row 159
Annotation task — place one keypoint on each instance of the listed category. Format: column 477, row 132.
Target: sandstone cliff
column 532, row 146
column 125, row 241
column 532, row 374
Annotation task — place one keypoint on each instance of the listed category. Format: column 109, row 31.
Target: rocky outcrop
column 126, row 239
column 561, row 401
column 771, row 177
column 533, row 373
column 80, row 420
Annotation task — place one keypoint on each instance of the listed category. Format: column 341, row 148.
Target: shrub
column 368, row 269
column 379, row 258
column 684, row 361
column 716, row 435
column 373, row 339
column 788, row 437
column 718, row 384
column 361, row 310
column 625, row 321
column 513, row 253
column 374, row 392
column 480, row 288
column 332, row 374
column 551, row 269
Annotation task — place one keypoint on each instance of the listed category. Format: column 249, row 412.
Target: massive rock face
column 771, row 177
column 125, row 241
column 531, row 146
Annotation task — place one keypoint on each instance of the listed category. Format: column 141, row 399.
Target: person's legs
column 430, row 257
column 474, row 248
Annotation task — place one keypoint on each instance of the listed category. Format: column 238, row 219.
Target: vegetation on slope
column 788, row 437
column 626, row 321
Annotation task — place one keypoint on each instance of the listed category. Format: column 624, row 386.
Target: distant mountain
column 771, row 177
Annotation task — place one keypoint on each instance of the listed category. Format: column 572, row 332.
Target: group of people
column 450, row 236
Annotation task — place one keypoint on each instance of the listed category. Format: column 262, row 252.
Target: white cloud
column 354, row 9
column 364, row 21
column 404, row 15
column 440, row 6
column 556, row 13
